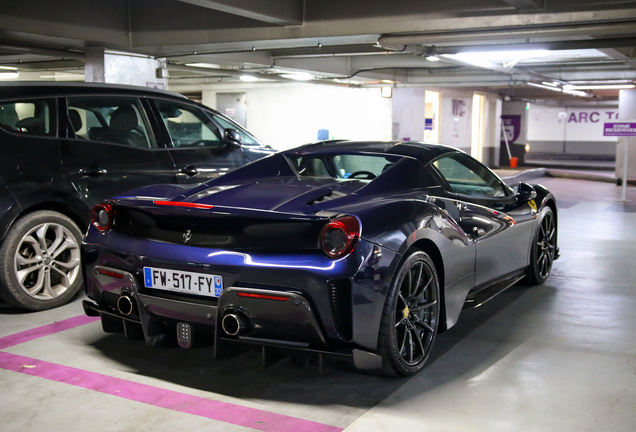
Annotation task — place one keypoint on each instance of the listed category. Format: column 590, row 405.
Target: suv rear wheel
column 40, row 261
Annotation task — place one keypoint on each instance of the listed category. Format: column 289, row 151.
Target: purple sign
column 619, row 129
column 511, row 127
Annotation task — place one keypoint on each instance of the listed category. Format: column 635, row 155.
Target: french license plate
column 182, row 281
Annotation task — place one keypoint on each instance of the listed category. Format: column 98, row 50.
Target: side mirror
column 525, row 192
column 232, row 137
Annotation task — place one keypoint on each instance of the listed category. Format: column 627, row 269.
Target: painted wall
column 456, row 119
column 286, row 116
column 570, row 130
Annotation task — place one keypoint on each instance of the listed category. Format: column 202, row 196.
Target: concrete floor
column 561, row 356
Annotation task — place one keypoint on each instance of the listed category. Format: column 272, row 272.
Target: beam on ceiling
column 529, row 31
column 277, row 12
column 526, row 4
column 47, row 52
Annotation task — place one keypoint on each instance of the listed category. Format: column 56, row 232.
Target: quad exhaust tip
column 126, row 304
column 234, row 324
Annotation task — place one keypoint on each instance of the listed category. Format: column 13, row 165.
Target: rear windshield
column 342, row 166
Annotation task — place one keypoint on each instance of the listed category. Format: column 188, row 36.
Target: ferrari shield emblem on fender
column 533, row 205
column 187, row 236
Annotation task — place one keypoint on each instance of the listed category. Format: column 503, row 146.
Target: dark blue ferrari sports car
column 356, row 250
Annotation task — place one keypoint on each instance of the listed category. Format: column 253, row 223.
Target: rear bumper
column 345, row 297
column 287, row 324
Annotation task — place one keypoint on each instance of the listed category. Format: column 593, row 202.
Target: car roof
column 10, row 90
column 423, row 151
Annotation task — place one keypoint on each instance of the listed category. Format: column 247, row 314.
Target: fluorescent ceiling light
column 551, row 84
column 9, row 68
column 248, row 78
column 504, row 55
column 432, row 58
column 298, row 76
column 204, row 65
column 576, row 93
column 63, row 75
column 600, row 87
column 9, row 75
column 572, row 92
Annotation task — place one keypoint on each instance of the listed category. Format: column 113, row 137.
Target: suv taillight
column 339, row 237
column 102, row 217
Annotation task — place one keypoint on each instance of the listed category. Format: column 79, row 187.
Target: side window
column 116, row 120
column 466, row 176
column 247, row 139
column 188, row 127
column 34, row 117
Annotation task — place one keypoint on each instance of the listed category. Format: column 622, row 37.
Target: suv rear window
column 33, row 117
column 117, row 120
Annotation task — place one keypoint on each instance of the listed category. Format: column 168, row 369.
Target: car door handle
column 91, row 171
column 189, row 170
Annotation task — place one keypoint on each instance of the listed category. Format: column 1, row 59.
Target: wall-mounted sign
column 386, row 92
column 511, row 127
column 619, row 129
column 459, row 107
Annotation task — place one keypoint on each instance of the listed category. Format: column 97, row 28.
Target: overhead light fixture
column 298, row 76
column 552, row 84
column 248, row 78
column 9, row 75
column 504, row 55
column 565, row 90
column 9, row 68
column 576, row 93
column 432, row 58
column 204, row 65
column 600, row 87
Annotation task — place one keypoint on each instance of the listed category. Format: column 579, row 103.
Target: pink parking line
column 181, row 402
column 49, row 329
column 155, row 396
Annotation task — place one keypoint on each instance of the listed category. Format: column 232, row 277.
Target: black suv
column 66, row 147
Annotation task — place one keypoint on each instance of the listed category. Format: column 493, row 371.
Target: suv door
column 108, row 147
column 196, row 144
column 490, row 214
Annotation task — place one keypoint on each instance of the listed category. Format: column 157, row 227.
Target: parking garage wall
column 570, row 131
column 285, row 116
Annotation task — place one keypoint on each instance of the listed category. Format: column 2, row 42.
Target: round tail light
column 102, row 217
column 339, row 237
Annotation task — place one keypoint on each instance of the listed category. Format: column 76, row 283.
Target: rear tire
column 543, row 249
column 40, row 261
column 410, row 317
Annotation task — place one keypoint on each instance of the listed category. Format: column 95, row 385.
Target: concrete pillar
column 121, row 68
column 409, row 106
column 94, row 64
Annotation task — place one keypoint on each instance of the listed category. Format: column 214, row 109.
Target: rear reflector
column 262, row 296
column 184, row 204
column 110, row 273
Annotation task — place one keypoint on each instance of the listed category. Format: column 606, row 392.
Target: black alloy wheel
column 543, row 249
column 411, row 316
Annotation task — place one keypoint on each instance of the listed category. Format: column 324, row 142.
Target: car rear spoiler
column 163, row 206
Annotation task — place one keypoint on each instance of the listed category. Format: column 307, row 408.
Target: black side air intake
column 341, row 307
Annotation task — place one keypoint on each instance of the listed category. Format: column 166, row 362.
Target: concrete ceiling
column 353, row 42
